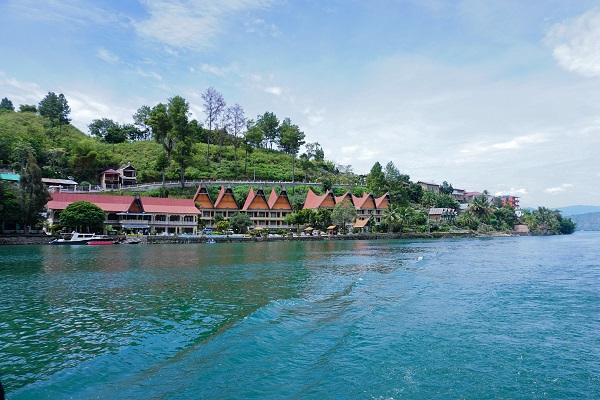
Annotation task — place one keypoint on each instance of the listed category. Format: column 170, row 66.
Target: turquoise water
column 473, row 318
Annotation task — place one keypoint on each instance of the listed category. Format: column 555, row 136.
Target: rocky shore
column 44, row 239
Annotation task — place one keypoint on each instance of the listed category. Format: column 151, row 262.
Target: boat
column 76, row 238
column 211, row 241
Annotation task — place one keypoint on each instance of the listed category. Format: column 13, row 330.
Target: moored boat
column 76, row 238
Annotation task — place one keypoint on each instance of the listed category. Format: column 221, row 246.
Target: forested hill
column 63, row 150
column 587, row 222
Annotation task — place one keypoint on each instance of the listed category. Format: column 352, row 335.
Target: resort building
column 134, row 213
column 226, row 205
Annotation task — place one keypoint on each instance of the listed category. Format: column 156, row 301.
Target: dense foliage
column 82, row 215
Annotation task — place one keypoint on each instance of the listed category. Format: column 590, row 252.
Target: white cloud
column 276, row 91
column 576, row 44
column 559, row 189
column 191, row 23
column 147, row 74
column 20, row 92
column 514, row 144
column 107, row 55
column 214, row 70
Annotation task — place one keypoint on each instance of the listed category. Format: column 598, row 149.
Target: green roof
column 10, row 177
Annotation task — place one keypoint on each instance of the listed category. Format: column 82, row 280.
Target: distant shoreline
column 45, row 239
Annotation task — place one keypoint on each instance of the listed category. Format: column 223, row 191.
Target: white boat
column 75, row 238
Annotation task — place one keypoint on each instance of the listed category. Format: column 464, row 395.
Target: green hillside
column 66, row 151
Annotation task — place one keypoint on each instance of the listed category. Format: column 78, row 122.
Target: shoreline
column 19, row 240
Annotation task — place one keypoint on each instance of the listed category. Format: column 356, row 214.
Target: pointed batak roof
column 202, row 197
column 383, row 201
column 346, row 196
column 279, row 202
column 366, row 202
column 226, row 199
column 256, row 200
column 314, row 201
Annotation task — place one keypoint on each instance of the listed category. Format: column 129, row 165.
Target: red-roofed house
column 134, row 213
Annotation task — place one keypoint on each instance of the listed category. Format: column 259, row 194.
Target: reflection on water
column 355, row 319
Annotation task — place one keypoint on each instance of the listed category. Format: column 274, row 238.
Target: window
column 160, row 217
column 174, row 218
column 206, row 214
column 261, row 214
column 274, row 215
column 188, row 218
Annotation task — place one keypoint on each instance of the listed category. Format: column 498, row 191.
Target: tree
column 161, row 125
column 10, row 210
column 314, row 151
column 343, row 213
column 240, row 222
column 27, row 108
column 6, row 104
column 446, row 188
column 321, row 219
column 395, row 184
column 376, row 180
column 480, row 207
column 181, row 133
column 55, row 108
column 269, row 125
column 82, row 214
column 108, row 131
column 237, row 123
column 141, row 120
column 291, row 138
column 214, row 105
column 391, row 216
column 33, row 195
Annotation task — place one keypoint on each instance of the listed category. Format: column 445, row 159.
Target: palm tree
column 480, row 206
column 391, row 216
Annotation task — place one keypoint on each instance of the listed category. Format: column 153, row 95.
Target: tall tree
column 55, row 108
column 33, row 195
column 290, row 140
column 214, row 105
column 237, row 121
column 181, row 133
column 376, row 180
column 269, row 125
column 314, row 151
column 161, row 125
column 141, row 120
column 6, row 104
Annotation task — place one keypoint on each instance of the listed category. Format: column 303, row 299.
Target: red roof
column 107, row 203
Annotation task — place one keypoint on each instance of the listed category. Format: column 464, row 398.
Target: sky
column 497, row 95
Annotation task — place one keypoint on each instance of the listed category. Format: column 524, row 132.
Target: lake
column 510, row 317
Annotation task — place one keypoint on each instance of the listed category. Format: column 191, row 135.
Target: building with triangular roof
column 314, row 201
column 205, row 205
column 226, row 204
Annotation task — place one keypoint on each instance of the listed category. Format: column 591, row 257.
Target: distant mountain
column 577, row 210
column 587, row 222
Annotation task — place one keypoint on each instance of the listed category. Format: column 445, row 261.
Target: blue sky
column 498, row 95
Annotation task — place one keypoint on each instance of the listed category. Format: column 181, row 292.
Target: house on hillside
column 442, row 214
column 124, row 176
column 59, row 185
column 434, row 187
